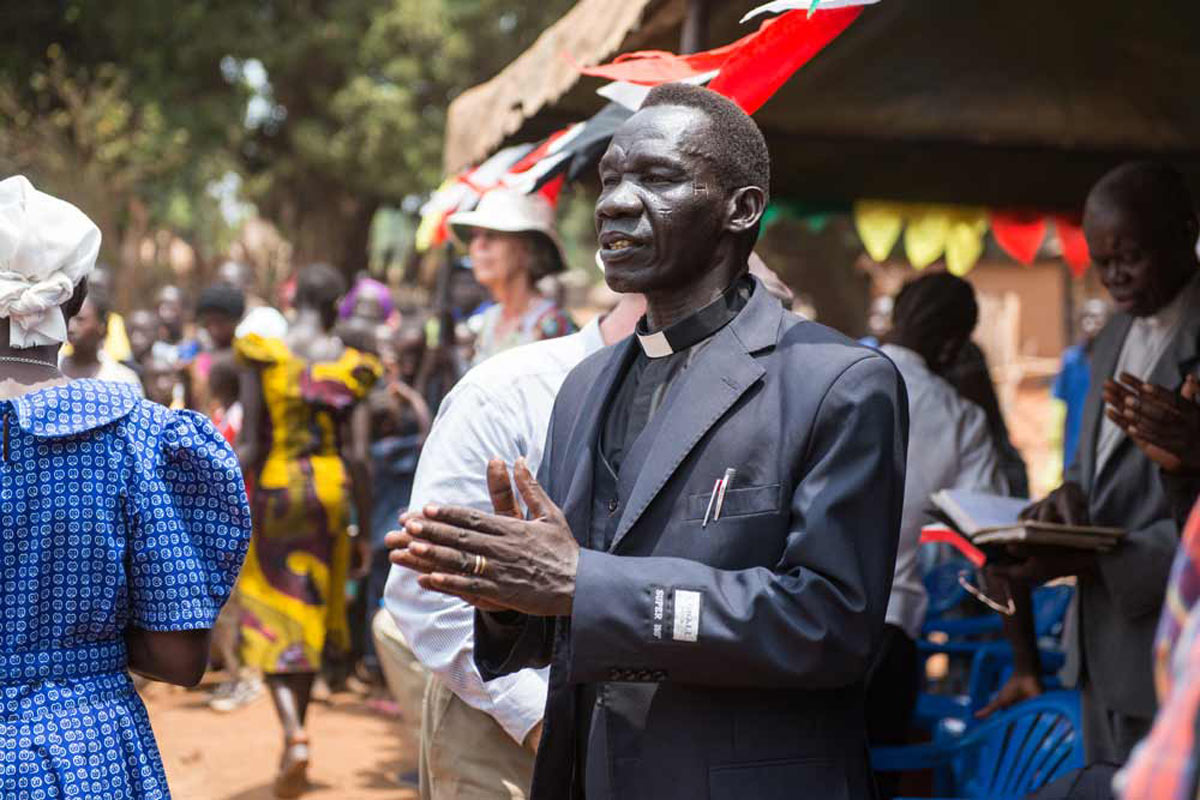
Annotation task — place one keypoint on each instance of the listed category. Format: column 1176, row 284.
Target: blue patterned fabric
column 115, row 512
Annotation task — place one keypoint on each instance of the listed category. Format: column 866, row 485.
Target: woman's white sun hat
column 47, row 246
column 508, row 211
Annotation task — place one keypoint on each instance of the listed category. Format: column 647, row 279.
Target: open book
column 988, row 519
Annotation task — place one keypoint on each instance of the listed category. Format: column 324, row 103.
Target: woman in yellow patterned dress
column 304, row 444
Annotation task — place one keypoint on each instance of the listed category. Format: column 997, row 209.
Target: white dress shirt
column 949, row 447
column 500, row 409
column 1144, row 345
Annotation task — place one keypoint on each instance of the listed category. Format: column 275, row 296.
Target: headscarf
column 367, row 287
column 47, row 246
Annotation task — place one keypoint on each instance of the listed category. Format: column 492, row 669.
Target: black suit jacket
column 728, row 660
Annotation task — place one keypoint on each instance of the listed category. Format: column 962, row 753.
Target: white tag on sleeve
column 687, row 616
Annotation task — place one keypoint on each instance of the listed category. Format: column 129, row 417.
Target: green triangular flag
column 812, row 9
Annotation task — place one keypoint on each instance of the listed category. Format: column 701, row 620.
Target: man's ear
column 745, row 209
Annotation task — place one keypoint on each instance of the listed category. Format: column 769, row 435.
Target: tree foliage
column 327, row 108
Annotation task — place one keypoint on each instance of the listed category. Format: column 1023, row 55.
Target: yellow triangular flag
column 926, row 234
column 878, row 224
column 964, row 243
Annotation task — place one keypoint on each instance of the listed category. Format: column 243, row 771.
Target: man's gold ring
column 480, row 565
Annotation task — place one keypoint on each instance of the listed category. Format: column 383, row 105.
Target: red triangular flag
column 553, row 189
column 1074, row 245
column 652, row 67
column 1019, row 233
column 765, row 61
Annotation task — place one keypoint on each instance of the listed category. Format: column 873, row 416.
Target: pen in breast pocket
column 712, row 498
column 725, row 481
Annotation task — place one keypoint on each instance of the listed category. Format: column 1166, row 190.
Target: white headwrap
column 47, row 246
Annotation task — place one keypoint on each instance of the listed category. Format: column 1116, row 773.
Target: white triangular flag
column 632, row 95
column 780, row 6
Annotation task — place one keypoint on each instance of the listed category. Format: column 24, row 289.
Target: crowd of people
column 675, row 552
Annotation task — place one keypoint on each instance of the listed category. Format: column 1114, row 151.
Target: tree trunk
column 335, row 232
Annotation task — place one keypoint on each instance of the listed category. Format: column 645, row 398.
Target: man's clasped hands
column 499, row 561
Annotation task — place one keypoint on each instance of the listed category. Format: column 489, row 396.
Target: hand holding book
column 1066, row 505
column 994, row 522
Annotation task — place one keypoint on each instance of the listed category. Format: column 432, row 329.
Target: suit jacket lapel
column 584, row 437
column 1181, row 354
column 710, row 385
column 1104, row 361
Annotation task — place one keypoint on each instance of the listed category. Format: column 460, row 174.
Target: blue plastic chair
column 1013, row 753
column 972, row 639
column 943, row 589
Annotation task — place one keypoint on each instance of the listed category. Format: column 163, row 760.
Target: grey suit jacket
column 728, row 660
column 1119, row 606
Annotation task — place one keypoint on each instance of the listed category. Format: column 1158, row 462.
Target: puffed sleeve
column 190, row 526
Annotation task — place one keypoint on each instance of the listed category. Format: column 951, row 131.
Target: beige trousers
column 403, row 674
column 466, row 755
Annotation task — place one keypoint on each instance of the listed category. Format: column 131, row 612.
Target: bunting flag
column 964, row 240
column 925, row 235
column 1074, row 245
column 931, row 232
column 461, row 192
column 748, row 71
column 1019, row 233
column 572, row 151
column 879, row 225
column 757, row 69
column 591, row 143
column 652, row 67
column 632, row 95
column 542, row 168
column 780, row 6
column 433, row 216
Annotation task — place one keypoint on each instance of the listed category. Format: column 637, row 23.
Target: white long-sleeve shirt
column 500, row 409
column 949, row 447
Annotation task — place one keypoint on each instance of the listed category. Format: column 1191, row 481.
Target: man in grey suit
column 707, row 567
column 1141, row 230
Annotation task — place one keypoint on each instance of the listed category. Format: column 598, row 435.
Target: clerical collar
column 698, row 326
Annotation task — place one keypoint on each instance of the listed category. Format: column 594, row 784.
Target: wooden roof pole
column 694, row 36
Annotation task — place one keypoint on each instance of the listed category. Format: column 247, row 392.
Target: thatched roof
column 986, row 101
column 486, row 115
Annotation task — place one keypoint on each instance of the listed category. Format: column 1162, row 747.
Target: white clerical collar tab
column 655, row 345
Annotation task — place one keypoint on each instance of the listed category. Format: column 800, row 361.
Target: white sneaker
column 235, row 694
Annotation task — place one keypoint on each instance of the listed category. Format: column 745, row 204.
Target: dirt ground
column 358, row 753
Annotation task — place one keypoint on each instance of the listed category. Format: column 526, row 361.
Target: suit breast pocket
column 744, row 502
column 816, row 778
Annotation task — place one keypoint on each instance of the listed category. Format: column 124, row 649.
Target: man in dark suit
column 707, row 568
column 1141, row 230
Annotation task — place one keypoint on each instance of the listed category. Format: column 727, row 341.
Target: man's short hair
column 1156, row 192
column 319, row 286
column 222, row 298
column 100, row 303
column 736, row 147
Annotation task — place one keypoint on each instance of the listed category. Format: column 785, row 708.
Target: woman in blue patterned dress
column 122, row 528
